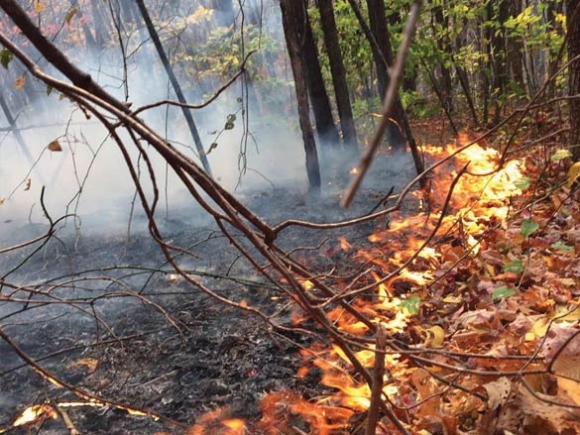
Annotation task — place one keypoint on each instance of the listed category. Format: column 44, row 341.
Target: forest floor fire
column 468, row 290
column 477, row 291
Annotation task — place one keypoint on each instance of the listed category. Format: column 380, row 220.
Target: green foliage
column 523, row 183
column 516, row 266
column 411, row 304
column 502, row 292
column 529, row 227
column 6, row 57
column 561, row 246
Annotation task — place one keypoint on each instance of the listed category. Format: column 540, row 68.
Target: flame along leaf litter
column 507, row 276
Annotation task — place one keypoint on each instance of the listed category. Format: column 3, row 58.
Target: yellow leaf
column 573, row 174
column 54, row 146
column 38, row 6
column 435, row 336
column 540, row 327
column 19, row 82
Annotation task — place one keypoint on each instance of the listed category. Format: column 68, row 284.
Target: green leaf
column 411, row 305
column 5, row 57
column 528, row 228
column 523, row 183
column 516, row 266
column 560, row 155
column 561, row 246
column 502, row 292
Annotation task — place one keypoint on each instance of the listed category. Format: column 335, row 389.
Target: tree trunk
column 175, row 84
column 444, row 45
column 338, row 72
column 289, row 14
column 384, row 59
column 325, row 126
column 573, row 20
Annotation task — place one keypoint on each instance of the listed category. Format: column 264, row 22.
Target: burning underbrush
column 455, row 317
column 460, row 318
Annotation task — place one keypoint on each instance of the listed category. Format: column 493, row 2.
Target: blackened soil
column 110, row 318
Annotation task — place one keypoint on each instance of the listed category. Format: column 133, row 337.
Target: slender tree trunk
column 444, row 45
column 573, row 20
column 325, row 126
column 289, row 14
column 384, row 58
column 338, row 74
column 175, row 83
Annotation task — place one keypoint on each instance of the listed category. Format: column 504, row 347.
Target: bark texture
column 573, row 19
column 338, row 74
column 289, row 14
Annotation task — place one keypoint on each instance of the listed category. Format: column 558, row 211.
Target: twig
column 67, row 421
column 377, row 386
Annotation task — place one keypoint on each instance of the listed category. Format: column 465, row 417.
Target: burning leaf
column 90, row 363
column 573, row 174
column 502, row 292
column 560, row 155
column 529, row 227
column 20, row 82
column 54, row 146
column 6, row 57
column 70, row 14
column 34, row 414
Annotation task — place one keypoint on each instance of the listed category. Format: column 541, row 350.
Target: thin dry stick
column 378, row 374
column 390, row 98
column 67, row 421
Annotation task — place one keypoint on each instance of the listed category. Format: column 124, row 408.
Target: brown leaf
column 20, row 82
column 91, row 364
column 54, row 146
column 27, row 184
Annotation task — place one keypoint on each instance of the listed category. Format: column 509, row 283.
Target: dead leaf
column 39, row 7
column 573, row 174
column 427, row 389
column 538, row 405
column 20, row 82
column 27, row 184
column 498, row 392
column 91, row 364
column 54, row 146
